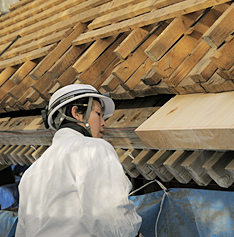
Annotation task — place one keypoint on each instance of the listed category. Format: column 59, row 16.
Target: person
column 78, row 186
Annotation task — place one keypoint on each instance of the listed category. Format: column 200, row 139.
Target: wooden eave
column 131, row 49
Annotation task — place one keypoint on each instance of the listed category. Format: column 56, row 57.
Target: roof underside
column 144, row 52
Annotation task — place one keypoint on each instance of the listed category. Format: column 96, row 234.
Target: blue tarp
column 8, row 222
column 187, row 213
column 176, row 213
column 9, row 196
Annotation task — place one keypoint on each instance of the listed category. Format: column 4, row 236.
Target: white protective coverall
column 76, row 188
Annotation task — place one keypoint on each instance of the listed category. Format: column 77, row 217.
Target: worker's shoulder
column 96, row 143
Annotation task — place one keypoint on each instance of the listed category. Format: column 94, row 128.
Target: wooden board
column 221, row 29
column 166, row 13
column 197, row 121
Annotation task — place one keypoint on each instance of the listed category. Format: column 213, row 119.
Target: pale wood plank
column 195, row 121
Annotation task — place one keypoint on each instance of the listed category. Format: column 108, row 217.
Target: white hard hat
column 74, row 92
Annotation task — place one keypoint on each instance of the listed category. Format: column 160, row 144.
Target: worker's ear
column 75, row 114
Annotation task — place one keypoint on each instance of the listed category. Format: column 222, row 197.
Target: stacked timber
column 131, row 49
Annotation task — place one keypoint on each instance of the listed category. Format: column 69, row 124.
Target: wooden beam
column 126, row 160
column 51, row 58
column 215, row 167
column 92, row 53
column 156, row 164
column 140, row 164
column 195, row 121
column 221, row 29
column 130, row 43
column 193, row 164
column 172, row 11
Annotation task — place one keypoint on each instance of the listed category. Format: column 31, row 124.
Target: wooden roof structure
column 141, row 52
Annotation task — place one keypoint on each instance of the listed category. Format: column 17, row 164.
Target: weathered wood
column 110, row 83
column 92, row 53
column 17, row 91
column 226, row 74
column 98, row 67
column 54, row 38
column 23, row 71
column 124, row 70
column 186, row 45
column 18, row 4
column 140, row 163
column 173, row 164
column 156, row 164
column 7, row 152
column 43, row 85
column 67, row 60
column 218, row 84
column 39, row 151
column 188, row 86
column 4, row 159
column 142, row 90
column 193, row 164
column 150, row 77
column 204, row 69
column 51, row 58
column 35, row 124
column 27, row 56
column 105, row 74
column 120, row 152
column 6, row 74
column 169, row 12
column 163, row 88
column 187, row 65
column 170, row 35
column 223, row 58
column 221, row 29
column 21, row 155
column 122, row 14
column 126, row 160
column 15, row 156
column 215, row 167
column 67, row 77
column 129, row 44
column 135, row 79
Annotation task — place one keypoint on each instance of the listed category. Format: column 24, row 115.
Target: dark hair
column 80, row 109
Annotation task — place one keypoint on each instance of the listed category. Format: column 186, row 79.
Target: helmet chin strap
column 85, row 122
